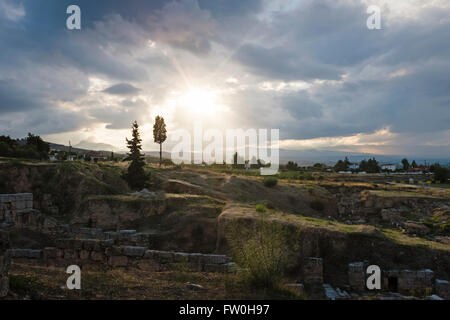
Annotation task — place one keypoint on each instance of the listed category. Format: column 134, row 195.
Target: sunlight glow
column 199, row 101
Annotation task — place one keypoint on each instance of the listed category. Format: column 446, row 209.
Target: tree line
column 33, row 147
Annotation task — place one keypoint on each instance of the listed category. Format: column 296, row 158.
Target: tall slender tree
column 159, row 134
column 136, row 176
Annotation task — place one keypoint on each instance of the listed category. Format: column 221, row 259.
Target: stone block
column 4, row 264
column 151, row 254
column 313, row 271
column 214, row 259
column 91, row 245
column 357, row 276
column 4, row 286
column 84, row 255
column 50, row 253
column 180, row 257
column 195, row 257
column 64, row 243
column 114, row 251
column 70, row 254
column 148, row 265
column 24, row 253
column 443, row 289
column 166, row 257
column 132, row 251
column 97, row 256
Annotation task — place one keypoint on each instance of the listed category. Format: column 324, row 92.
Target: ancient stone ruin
column 4, row 264
column 407, row 282
column 94, row 253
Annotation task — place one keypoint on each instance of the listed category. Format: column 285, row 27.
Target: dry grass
column 36, row 282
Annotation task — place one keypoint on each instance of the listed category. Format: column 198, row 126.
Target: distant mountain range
column 88, row 145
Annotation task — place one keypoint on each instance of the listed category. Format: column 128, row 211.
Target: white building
column 388, row 167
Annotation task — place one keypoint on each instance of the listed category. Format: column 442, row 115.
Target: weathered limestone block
column 4, row 286
column 148, row 265
column 195, row 257
column 114, row 251
column 180, row 257
column 96, row 244
column 25, row 253
column 132, row 251
column 84, row 255
column 88, row 233
column 70, row 254
column 76, row 244
column 214, row 259
column 166, row 257
column 50, row 253
column 112, row 235
column 118, row 261
column 313, row 271
column 64, row 243
column 357, row 276
column 97, row 256
column 443, row 289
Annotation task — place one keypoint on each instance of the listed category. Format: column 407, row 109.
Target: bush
column 263, row 251
column 270, row 182
column 260, row 208
column 441, row 174
column 317, row 205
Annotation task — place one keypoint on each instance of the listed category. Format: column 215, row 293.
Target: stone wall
column 357, row 276
column 125, row 237
column 443, row 289
column 4, row 264
column 410, row 282
column 11, row 204
column 313, row 271
column 103, row 253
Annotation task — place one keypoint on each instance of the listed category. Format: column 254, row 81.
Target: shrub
column 442, row 174
column 261, row 208
column 270, row 182
column 263, row 251
column 317, row 205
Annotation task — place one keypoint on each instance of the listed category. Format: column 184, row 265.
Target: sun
column 199, row 100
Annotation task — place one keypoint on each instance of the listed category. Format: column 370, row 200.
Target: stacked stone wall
column 103, row 253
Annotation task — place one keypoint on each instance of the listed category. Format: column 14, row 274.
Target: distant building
column 353, row 166
column 388, row 167
column 96, row 155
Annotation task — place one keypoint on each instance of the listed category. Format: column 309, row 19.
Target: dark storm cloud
column 221, row 8
column 359, row 80
column 14, row 98
column 279, row 63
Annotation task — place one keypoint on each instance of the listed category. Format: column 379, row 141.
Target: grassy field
column 36, row 282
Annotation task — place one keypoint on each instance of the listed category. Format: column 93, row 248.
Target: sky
column 311, row 69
